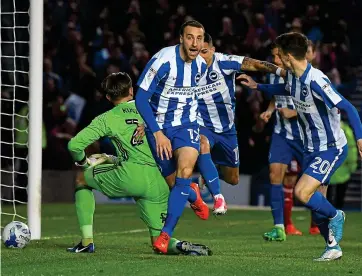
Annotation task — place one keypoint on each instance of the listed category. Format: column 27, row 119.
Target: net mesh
column 14, row 25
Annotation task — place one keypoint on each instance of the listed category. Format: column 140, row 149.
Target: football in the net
column 16, row 235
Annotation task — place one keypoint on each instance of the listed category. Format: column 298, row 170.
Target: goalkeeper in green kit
column 132, row 173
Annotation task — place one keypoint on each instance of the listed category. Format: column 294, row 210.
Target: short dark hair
column 117, row 85
column 311, row 44
column 273, row 45
column 191, row 23
column 293, row 43
column 208, row 39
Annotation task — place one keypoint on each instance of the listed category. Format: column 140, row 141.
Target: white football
column 16, row 235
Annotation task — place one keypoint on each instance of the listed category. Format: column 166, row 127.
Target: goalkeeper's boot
column 189, row 248
column 290, row 229
column 336, row 225
column 330, row 254
column 220, row 206
column 314, row 230
column 199, row 206
column 161, row 243
column 79, row 248
column 276, row 234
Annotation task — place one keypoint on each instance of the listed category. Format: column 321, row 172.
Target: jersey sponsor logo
column 213, row 75
column 304, row 106
column 210, row 89
column 305, row 91
column 179, row 91
column 197, row 78
column 283, row 101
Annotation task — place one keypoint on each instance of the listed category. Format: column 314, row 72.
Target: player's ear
column 181, row 39
column 108, row 97
column 130, row 93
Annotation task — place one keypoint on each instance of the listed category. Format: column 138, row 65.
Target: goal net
column 21, row 112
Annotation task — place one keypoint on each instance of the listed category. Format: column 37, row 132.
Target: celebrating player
column 216, row 102
column 317, row 103
column 166, row 100
column 286, row 145
column 133, row 173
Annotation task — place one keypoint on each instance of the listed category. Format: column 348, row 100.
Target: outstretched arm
column 269, row 89
column 250, row 64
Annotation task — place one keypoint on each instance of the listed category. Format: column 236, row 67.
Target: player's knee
column 275, row 176
column 302, row 194
column 184, row 172
column 233, row 179
column 289, row 181
column 204, row 145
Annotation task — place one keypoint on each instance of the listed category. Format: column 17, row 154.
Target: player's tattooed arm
column 250, row 64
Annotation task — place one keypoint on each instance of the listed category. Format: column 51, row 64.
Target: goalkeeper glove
column 97, row 159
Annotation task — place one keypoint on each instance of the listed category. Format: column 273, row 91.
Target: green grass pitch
column 123, row 248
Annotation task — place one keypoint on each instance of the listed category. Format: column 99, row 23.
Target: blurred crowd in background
column 84, row 40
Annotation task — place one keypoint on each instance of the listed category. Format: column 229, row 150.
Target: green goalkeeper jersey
column 119, row 124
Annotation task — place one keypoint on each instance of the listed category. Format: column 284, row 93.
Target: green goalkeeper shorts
column 142, row 182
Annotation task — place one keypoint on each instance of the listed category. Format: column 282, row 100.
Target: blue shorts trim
column 180, row 137
column 224, row 147
column 321, row 165
column 283, row 150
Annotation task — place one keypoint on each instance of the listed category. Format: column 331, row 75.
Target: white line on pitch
column 98, row 234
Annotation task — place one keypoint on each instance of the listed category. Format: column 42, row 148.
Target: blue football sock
column 322, row 223
column 195, row 180
column 321, row 205
column 209, row 173
column 192, row 196
column 277, row 203
column 176, row 203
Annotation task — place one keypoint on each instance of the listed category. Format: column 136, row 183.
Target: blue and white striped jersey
column 288, row 128
column 216, row 93
column 172, row 82
column 315, row 100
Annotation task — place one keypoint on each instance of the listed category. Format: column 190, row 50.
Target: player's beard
column 191, row 55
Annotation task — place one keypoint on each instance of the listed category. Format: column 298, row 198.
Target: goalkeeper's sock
column 85, row 206
column 277, row 204
column 209, row 173
column 318, row 203
column 176, row 203
column 172, row 247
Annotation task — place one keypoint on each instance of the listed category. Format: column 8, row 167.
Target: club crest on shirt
column 197, row 78
column 305, row 91
column 213, row 75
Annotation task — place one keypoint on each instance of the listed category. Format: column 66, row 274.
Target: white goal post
column 35, row 117
column 21, row 84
